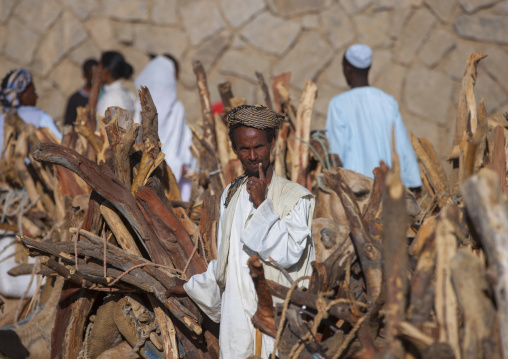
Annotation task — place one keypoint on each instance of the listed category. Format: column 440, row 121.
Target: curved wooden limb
column 264, row 318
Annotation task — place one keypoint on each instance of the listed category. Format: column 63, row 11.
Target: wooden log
column 264, row 89
column 284, row 79
column 367, row 250
column 479, row 315
column 300, row 170
column 372, row 213
column 94, row 97
column 101, row 179
column 175, row 229
column 498, row 162
column 300, row 298
column 446, row 301
column 226, row 95
column 394, row 247
column 124, row 261
column 264, row 318
column 206, row 108
column 431, row 168
column 152, row 156
column 121, row 143
column 466, row 112
column 472, row 146
column 122, row 234
column 488, row 212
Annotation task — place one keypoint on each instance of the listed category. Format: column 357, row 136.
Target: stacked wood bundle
column 403, row 284
column 394, row 276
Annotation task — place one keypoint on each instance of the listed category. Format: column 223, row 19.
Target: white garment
column 116, row 94
column 359, row 128
column 174, row 134
column 34, row 116
column 13, row 287
column 253, row 231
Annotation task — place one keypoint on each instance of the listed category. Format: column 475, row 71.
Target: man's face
column 29, row 96
column 252, row 148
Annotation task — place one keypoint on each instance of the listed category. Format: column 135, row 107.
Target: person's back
column 80, row 97
column 360, row 122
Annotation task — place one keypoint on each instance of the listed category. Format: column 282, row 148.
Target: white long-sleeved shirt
column 253, row 231
column 116, row 94
column 359, row 128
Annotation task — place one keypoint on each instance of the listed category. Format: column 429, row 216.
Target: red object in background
column 217, row 107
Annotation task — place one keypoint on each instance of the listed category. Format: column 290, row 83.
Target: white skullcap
column 359, row 55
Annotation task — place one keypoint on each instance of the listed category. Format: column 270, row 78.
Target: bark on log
column 264, row 318
column 394, row 248
column 367, row 250
column 470, row 284
column 102, row 180
column 446, row 301
column 489, row 215
column 264, row 89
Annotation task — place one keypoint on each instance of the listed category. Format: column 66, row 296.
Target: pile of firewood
column 395, row 276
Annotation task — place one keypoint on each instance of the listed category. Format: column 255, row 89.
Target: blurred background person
column 18, row 92
column 114, row 68
column 80, row 97
column 160, row 77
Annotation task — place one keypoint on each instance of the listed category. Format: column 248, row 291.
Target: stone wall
column 420, row 47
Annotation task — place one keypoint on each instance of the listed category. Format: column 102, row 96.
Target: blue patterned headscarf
column 15, row 85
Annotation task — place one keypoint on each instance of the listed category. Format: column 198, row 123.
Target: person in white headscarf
column 176, row 137
column 360, row 122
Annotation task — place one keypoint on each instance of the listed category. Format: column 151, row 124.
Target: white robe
column 253, row 231
column 116, row 94
column 174, row 134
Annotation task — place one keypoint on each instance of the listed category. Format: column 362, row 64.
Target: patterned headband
column 259, row 117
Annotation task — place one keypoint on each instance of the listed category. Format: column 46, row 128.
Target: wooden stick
column 446, row 301
column 394, row 248
column 264, row 89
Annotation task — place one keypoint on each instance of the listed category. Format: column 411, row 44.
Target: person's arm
column 282, row 239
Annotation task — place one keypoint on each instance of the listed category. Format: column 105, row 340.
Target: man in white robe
column 360, row 122
column 261, row 213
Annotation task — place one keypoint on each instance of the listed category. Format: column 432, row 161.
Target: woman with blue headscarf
column 18, row 92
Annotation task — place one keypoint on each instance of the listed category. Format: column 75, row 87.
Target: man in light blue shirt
column 360, row 122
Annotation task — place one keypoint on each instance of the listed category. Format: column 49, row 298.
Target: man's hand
column 177, row 289
column 256, row 187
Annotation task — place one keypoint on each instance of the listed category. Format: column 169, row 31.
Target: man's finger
column 261, row 174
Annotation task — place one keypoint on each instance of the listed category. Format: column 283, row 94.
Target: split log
column 470, row 283
column 466, row 112
column 206, row 108
column 489, row 215
column 498, row 162
column 300, row 155
column 367, row 250
column 264, row 89
column 225, row 95
column 264, row 318
column 394, row 248
column 446, row 301
column 102, row 180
